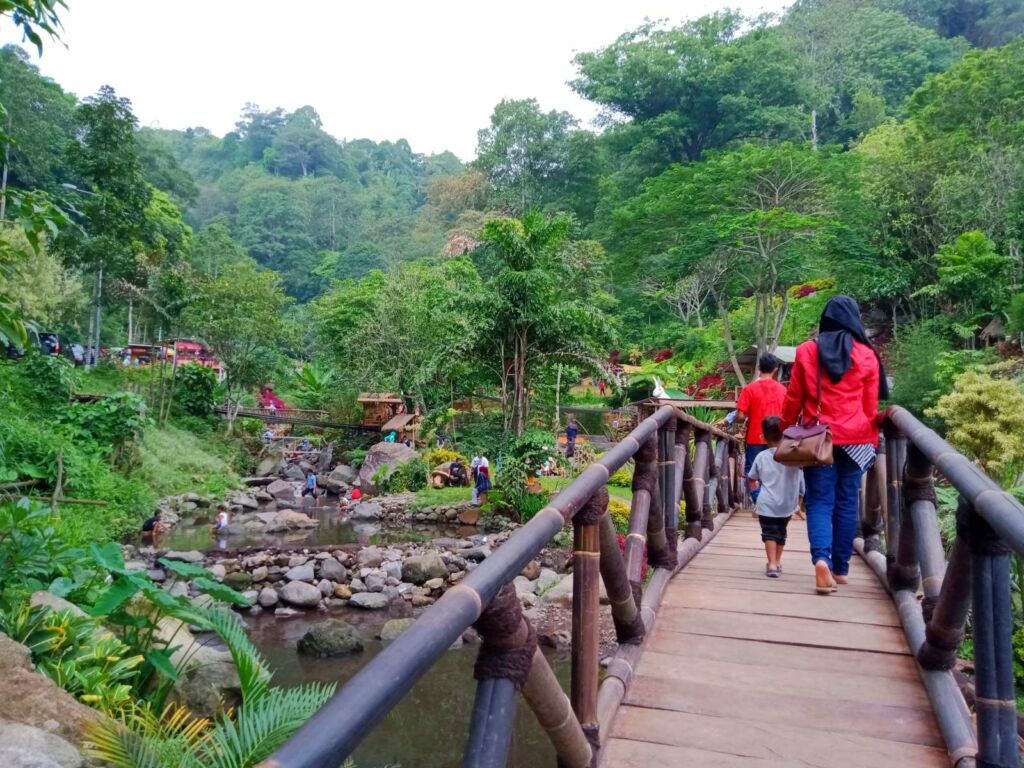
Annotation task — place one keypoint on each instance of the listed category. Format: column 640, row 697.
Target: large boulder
column 301, row 594
column 282, row 490
column 290, row 520
column 366, row 510
column 390, row 455
column 54, row 603
column 423, row 568
column 207, row 678
column 343, row 473
column 191, row 556
column 561, row 593
column 24, row 746
column 294, row 472
column 34, row 699
column 333, row 637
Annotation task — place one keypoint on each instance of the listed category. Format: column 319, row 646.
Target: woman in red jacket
column 851, row 382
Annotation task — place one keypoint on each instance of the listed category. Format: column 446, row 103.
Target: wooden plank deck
column 743, row 671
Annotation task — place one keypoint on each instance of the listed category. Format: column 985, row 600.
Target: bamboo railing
column 900, row 540
column 674, row 456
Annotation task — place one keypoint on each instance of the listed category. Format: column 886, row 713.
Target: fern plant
column 267, row 717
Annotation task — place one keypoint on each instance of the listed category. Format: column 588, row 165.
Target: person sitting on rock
column 152, row 527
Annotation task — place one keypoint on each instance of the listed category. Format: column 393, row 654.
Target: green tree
column 546, row 305
column 523, row 148
column 240, row 316
column 700, row 85
column 213, row 248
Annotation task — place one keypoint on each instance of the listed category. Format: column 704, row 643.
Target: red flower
column 665, row 354
column 807, row 289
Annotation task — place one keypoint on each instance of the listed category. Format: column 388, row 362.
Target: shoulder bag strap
column 818, row 358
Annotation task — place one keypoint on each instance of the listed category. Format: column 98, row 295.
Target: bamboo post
column 707, row 518
column 915, row 485
column 502, row 666
column 645, row 478
column 945, row 630
column 551, row 707
column 896, row 450
column 919, row 500
column 693, row 486
column 721, row 476
column 995, row 703
column 875, row 502
column 586, row 629
column 629, row 628
column 670, row 495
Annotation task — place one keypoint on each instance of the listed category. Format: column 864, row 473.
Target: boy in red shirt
column 758, row 400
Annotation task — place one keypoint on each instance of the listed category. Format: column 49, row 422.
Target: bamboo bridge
column 718, row 666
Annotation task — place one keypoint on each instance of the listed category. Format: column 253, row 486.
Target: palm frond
column 145, row 739
column 253, row 670
column 262, row 726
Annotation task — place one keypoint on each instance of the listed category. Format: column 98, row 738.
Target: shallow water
column 429, row 727
column 333, row 529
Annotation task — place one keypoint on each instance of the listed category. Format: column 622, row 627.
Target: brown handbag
column 807, row 445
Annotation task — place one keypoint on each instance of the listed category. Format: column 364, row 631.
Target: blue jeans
column 749, row 454
column 831, row 502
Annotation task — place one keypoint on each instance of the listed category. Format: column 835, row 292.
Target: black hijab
column 840, row 326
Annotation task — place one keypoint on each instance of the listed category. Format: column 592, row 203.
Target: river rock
column 343, row 473
column 366, row 510
column 326, row 587
column 282, row 490
column 561, row 592
column 192, row 556
column 394, row 627
column 524, row 586
column 300, row 573
column 24, row 746
column 246, row 501
column 421, row 568
column 238, row 580
column 546, row 579
column 357, row 585
column 477, row 554
column 333, row 570
column 268, row 597
column 393, row 570
column 374, row 582
column 369, row 600
column 259, row 574
column 342, row 591
column 288, row 520
column 268, row 466
column 206, row 676
column 218, row 571
column 390, row 455
column 157, row 574
column 294, row 472
column 371, row 557
column 54, row 603
column 251, row 595
column 333, row 637
column 530, row 571
column 301, row 594
column 437, row 583
column 295, row 560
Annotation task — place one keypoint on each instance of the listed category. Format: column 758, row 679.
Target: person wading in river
column 852, row 380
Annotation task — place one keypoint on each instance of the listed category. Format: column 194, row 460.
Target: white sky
column 430, row 72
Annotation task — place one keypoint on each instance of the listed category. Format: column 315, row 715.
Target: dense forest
column 743, row 170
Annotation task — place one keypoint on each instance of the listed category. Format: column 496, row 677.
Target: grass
column 173, row 460
column 558, row 483
column 430, row 497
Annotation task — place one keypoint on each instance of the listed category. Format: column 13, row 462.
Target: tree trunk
column 723, row 310
column 780, row 321
column 558, row 398
column 129, row 321
column 3, row 183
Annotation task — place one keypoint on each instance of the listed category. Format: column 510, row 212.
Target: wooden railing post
column 707, row 517
column 915, row 486
column 945, row 630
column 625, row 604
column 646, row 475
column 720, row 473
column 586, row 629
column 875, row 502
column 696, row 492
column 995, row 701
column 670, row 496
column 896, row 451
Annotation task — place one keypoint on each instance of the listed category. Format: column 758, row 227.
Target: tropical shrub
column 51, row 379
column 619, row 512
column 115, row 422
column 440, row 456
column 984, row 418
column 194, row 392
column 622, row 477
column 411, row 476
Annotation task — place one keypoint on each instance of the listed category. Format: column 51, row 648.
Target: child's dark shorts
column 774, row 528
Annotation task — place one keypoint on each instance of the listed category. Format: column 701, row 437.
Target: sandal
column 824, row 584
column 772, row 573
